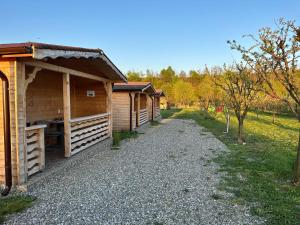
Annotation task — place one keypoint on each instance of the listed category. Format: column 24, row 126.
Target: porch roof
column 134, row 86
column 159, row 92
column 93, row 61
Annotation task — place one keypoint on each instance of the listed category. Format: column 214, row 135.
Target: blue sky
column 140, row 34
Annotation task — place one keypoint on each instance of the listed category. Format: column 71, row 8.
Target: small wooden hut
column 132, row 105
column 156, row 99
column 58, row 96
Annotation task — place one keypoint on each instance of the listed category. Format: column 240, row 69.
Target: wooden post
column 138, row 109
column 67, row 113
column 42, row 148
column 109, row 107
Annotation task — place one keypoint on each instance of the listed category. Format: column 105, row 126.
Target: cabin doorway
column 44, row 106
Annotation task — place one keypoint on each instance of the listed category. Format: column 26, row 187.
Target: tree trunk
column 240, row 132
column 257, row 114
column 273, row 120
column 297, row 165
column 227, row 122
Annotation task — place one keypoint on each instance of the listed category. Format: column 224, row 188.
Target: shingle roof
column 43, row 51
column 134, row 86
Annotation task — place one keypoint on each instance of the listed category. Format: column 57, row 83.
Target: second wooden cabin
column 134, row 104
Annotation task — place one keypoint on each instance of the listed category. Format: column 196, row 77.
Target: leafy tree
column 240, row 85
column 168, row 75
column 183, row 93
column 194, row 78
column 275, row 55
column 134, row 76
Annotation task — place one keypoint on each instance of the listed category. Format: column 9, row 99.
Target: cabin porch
column 65, row 114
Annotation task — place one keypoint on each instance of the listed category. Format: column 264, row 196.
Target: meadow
column 259, row 173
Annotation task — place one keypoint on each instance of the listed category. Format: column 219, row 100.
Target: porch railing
column 143, row 116
column 157, row 111
column 89, row 130
column 34, row 149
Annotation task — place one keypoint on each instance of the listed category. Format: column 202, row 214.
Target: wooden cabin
column 157, row 103
column 59, row 103
column 132, row 105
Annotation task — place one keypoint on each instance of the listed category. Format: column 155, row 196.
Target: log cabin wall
column 143, row 101
column 44, row 97
column 84, row 105
column 121, row 111
column 149, row 107
column 2, row 164
column 15, row 72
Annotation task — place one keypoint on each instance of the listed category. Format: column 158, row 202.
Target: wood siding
column 2, row 164
column 44, row 97
column 92, row 105
column 121, row 110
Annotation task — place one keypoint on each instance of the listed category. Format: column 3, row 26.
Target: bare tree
column 275, row 55
column 240, row 85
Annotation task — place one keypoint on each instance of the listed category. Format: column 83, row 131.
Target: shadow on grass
column 258, row 173
column 278, row 121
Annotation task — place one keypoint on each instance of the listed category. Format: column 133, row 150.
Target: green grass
column 155, row 123
column 118, row 136
column 166, row 113
column 260, row 172
column 14, row 204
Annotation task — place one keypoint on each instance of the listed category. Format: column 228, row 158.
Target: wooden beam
column 16, row 55
column 61, row 69
column 138, row 109
column 67, row 113
column 31, row 77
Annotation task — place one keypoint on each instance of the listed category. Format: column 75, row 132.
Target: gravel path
column 164, row 176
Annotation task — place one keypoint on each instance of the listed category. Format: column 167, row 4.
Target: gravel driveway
column 165, row 176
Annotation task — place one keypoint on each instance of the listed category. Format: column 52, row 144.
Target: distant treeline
column 197, row 88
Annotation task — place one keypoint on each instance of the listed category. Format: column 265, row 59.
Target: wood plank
column 96, row 136
column 65, row 70
column 89, row 144
column 89, row 129
column 78, row 138
column 32, row 147
column 33, row 138
column 33, row 154
column 33, row 170
column 67, row 113
column 84, row 118
column 87, row 124
column 35, row 127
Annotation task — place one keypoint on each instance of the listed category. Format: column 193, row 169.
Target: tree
column 240, row 85
column 183, row 93
column 133, row 76
column 168, row 75
column 194, row 78
column 275, row 55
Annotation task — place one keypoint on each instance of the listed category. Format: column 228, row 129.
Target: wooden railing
column 157, row 111
column 35, row 149
column 89, row 130
column 143, row 116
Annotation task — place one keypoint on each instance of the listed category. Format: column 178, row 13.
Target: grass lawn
column 260, row 172
column 14, row 204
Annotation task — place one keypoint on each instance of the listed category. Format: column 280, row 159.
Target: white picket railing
column 143, row 116
column 34, row 149
column 89, row 130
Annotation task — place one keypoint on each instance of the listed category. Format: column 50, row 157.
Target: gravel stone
column 165, row 176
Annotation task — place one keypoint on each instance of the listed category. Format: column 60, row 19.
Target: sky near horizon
column 139, row 34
